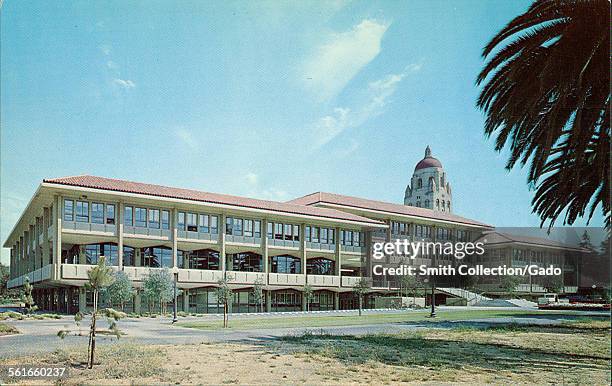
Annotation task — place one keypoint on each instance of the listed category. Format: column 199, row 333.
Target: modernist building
column 321, row 239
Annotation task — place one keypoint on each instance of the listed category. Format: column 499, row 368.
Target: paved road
column 39, row 336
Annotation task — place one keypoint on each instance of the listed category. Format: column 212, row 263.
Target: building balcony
column 141, row 232
column 87, row 227
column 352, row 249
column 76, row 271
column 237, row 277
column 286, row 279
column 283, row 243
column 323, row 280
column 252, row 241
column 321, row 246
column 199, row 276
column 350, row 281
column 197, row 236
column 41, row 274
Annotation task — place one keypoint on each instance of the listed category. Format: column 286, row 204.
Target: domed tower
column 429, row 187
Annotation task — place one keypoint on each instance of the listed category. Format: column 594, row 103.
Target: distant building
column 429, row 187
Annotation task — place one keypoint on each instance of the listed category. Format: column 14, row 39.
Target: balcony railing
column 243, row 239
column 350, row 281
column 323, row 280
column 237, row 277
column 41, row 274
column 286, row 279
column 199, row 275
column 321, row 246
column 131, row 231
column 88, row 227
column 352, row 249
column 189, row 235
column 283, row 243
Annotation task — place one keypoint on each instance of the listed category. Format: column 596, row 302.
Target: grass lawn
column 7, row 329
column 352, row 320
column 576, row 352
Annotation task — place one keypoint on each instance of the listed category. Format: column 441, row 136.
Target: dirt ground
column 526, row 355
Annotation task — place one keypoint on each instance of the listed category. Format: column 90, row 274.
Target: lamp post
column 433, row 299
column 175, row 275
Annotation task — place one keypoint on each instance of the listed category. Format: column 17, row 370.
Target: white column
column 222, row 243
column 264, row 247
column 338, row 255
column 57, row 236
column 174, row 238
column 119, row 220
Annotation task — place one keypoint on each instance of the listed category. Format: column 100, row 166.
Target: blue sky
column 265, row 99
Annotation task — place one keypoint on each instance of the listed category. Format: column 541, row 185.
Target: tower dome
column 428, row 162
column 429, row 187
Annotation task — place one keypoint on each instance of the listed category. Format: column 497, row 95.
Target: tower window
column 419, row 183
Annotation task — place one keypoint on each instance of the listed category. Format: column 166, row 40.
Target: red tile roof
column 495, row 237
column 93, row 182
column 363, row 203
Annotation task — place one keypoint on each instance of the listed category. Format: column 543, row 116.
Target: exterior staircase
column 472, row 297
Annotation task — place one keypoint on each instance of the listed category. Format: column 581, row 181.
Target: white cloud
column 376, row 98
column 252, row 178
column 338, row 60
column 186, row 138
column 124, row 83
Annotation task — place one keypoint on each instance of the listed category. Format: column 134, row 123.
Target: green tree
column 361, row 288
column 308, row 295
column 158, row 288
column 553, row 283
column 224, row 296
column 258, row 293
column 120, row 291
column 27, row 298
column 547, row 97
column 509, row 283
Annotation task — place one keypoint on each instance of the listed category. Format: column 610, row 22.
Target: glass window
column 229, row 226
column 331, row 237
column 307, row 233
column 278, row 231
column 244, row 262
column 129, row 216
column 156, row 257
column 214, row 224
column 320, row 266
column 165, row 219
column 296, row 233
column 92, row 253
column 248, row 228
column 257, row 230
column 97, row 213
column 154, row 218
column 110, row 214
column 204, row 259
column 204, row 224
column 192, row 222
column 324, row 236
column 181, row 221
column 237, row 227
column 285, row 264
column 68, row 210
column 269, row 229
column 111, row 254
column 129, row 256
column 288, row 232
column 140, row 217
column 314, row 234
column 82, row 211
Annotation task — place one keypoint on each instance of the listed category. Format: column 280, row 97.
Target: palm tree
column 547, row 96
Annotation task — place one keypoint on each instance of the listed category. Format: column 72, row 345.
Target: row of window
column 320, row 235
column 84, row 211
column 352, row 238
column 242, row 227
column 146, row 217
column 279, row 231
column 156, row 257
column 197, row 222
